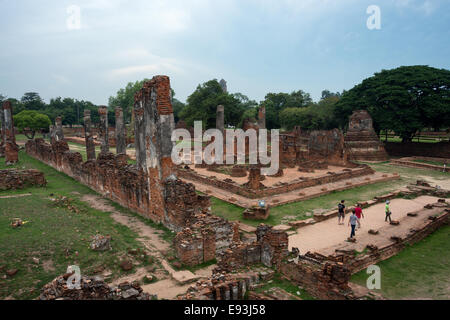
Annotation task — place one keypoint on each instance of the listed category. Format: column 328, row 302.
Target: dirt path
column 167, row 288
column 327, row 236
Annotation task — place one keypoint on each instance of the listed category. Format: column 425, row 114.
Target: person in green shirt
column 388, row 212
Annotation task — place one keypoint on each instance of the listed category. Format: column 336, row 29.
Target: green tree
column 32, row 101
column 405, row 100
column 30, row 121
column 202, row 105
column 277, row 102
column 124, row 98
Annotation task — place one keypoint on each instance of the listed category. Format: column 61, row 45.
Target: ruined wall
column 261, row 192
column 270, row 248
column 322, row 279
column 317, row 146
column 12, row 179
column 419, row 149
column 362, row 141
column 150, row 188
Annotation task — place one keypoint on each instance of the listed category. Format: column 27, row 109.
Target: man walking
column 341, row 212
column 359, row 214
column 352, row 222
column 388, row 212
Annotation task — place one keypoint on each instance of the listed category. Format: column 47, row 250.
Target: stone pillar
column 59, row 133
column 2, row 133
column 103, row 129
column 254, row 177
column 262, row 117
column 90, row 146
column 154, row 124
column 220, row 118
column 11, row 148
column 121, row 133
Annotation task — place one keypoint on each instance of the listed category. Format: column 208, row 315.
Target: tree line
column 404, row 100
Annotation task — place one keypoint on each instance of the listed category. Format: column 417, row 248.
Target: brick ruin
column 2, row 132
column 9, row 147
column 89, row 138
column 362, row 141
column 12, row 179
column 120, row 132
column 313, row 149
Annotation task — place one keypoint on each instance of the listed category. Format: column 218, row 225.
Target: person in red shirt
column 359, row 214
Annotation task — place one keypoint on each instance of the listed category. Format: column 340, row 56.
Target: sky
column 257, row 46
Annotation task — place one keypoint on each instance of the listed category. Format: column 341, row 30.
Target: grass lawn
column 278, row 282
column 303, row 209
column 55, row 235
column 435, row 163
column 418, row 272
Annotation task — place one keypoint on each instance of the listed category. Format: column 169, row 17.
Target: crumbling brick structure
column 103, row 129
column 205, row 238
column 11, row 148
column 256, row 213
column 301, row 146
column 270, row 249
column 220, row 119
column 2, row 132
column 120, row 132
column 12, row 179
column 323, row 279
column 361, row 139
column 90, row 146
column 262, row 117
column 150, row 187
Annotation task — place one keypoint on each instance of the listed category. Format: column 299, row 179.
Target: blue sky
column 258, row 46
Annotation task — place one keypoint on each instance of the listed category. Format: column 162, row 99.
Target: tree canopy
column 405, row 100
column 275, row 103
column 202, row 105
column 31, row 121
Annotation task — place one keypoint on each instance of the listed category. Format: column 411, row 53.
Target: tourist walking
column 353, row 221
column 359, row 214
column 388, row 212
column 341, row 212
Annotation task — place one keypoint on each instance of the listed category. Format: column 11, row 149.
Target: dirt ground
column 327, row 236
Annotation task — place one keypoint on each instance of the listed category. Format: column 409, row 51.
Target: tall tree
column 202, row 105
column 124, row 98
column 277, row 102
column 405, row 100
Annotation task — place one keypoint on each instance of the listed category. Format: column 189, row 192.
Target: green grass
column 435, row 163
column 418, row 272
column 53, row 231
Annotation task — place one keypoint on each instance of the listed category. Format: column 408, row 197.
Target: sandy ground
column 296, row 195
column 327, row 236
column 177, row 282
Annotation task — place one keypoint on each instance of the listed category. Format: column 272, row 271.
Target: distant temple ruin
column 361, row 139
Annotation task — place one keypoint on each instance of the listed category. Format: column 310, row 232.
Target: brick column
column 90, row 146
column 59, row 134
column 2, row 132
column 254, row 177
column 262, row 117
column 220, row 118
column 103, row 129
column 11, row 148
column 154, row 123
column 121, row 134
